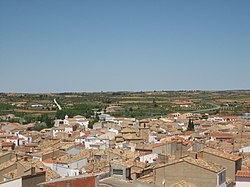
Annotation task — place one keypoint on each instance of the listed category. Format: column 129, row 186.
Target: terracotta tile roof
column 131, row 137
column 13, row 138
column 73, row 158
column 7, row 163
column 11, row 175
column 49, row 160
column 188, row 132
column 7, row 144
column 182, row 184
column 221, row 135
column 211, row 166
column 15, row 124
column 158, row 144
column 243, row 173
column 230, row 117
column 222, row 154
column 178, row 138
column 50, row 174
column 204, row 164
column 128, row 163
column 128, row 130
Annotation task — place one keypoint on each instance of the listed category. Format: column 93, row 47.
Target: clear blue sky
column 76, row 45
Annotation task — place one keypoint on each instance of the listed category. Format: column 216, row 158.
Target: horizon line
column 129, row 91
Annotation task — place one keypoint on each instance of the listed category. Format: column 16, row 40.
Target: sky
column 130, row 45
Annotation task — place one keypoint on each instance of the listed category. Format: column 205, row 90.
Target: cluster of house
column 150, row 152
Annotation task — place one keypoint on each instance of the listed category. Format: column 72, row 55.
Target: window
column 117, row 172
column 222, row 177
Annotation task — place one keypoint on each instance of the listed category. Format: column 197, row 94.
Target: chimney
column 33, row 170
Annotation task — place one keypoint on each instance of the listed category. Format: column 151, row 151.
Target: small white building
column 106, row 117
column 243, row 178
column 152, row 138
column 80, row 139
column 95, row 143
column 245, row 149
column 55, row 130
column 149, row 158
column 68, row 169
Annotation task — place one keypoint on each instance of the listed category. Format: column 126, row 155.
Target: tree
column 190, row 125
column 92, row 122
column 46, row 119
column 40, row 126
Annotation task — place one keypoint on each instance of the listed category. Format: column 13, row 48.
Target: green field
column 131, row 104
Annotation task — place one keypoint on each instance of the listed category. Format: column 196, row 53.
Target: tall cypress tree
column 190, row 125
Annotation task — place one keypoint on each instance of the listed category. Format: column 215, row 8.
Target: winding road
column 59, row 107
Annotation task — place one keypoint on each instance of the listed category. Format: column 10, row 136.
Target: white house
column 150, row 158
column 70, row 166
column 81, row 120
column 216, row 119
column 245, row 149
column 106, row 117
column 68, row 129
column 55, row 130
column 80, row 139
column 63, row 170
column 152, row 138
column 243, row 178
column 95, row 143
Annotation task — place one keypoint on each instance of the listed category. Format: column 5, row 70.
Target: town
column 201, row 145
column 134, row 93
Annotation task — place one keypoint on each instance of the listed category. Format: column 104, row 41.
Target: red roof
column 158, row 144
column 13, row 138
column 230, row 117
column 221, row 135
column 178, row 138
column 86, row 133
column 50, row 161
column 198, row 122
column 15, row 124
column 188, row 132
column 222, row 154
column 243, row 173
column 7, row 144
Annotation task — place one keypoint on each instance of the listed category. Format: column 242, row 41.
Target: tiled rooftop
column 222, row 154
column 197, row 162
column 204, row 164
column 7, row 163
column 243, row 173
column 50, row 174
column 73, row 158
column 182, row 183
column 11, row 175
